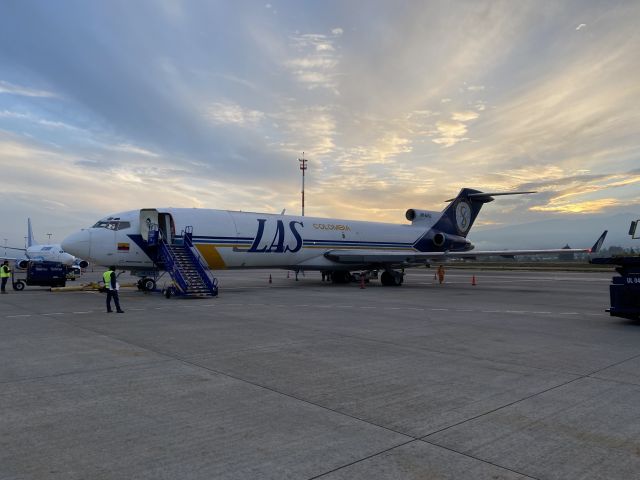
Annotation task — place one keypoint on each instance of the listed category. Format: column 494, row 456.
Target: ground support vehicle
column 41, row 274
column 624, row 291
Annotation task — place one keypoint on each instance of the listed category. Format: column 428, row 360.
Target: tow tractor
column 624, row 291
column 41, row 274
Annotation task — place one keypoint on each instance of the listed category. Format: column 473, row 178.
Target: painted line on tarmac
column 366, row 307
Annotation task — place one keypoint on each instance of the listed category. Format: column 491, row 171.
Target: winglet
column 598, row 245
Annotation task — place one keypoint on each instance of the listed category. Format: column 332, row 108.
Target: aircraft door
column 148, row 217
column 167, row 227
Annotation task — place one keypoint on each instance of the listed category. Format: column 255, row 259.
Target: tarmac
column 523, row 375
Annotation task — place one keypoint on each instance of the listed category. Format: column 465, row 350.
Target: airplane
column 238, row 240
column 36, row 252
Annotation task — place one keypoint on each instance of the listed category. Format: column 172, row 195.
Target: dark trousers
column 113, row 294
column 4, row 283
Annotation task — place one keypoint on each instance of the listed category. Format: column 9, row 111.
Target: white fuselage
column 229, row 239
column 49, row 253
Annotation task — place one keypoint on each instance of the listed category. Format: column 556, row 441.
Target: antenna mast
column 303, row 167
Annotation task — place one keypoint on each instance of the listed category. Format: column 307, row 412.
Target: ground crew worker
column 441, row 274
column 111, row 284
column 5, row 273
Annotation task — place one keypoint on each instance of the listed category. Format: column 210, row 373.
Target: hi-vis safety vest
column 106, row 276
column 4, row 271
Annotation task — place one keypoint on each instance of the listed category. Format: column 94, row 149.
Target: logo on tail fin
column 463, row 216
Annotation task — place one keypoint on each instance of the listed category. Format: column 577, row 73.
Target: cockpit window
column 112, row 225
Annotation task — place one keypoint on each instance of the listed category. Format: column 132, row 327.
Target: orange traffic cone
column 361, row 281
column 270, row 281
column 473, row 280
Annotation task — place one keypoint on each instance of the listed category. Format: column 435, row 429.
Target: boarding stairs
column 185, row 265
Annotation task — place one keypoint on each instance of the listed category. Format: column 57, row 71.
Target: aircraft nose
column 77, row 244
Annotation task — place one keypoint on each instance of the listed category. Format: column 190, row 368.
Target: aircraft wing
column 386, row 257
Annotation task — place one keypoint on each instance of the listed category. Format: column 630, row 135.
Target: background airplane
column 36, row 252
column 236, row 240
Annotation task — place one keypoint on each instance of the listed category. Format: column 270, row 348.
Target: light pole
column 303, row 167
column 5, row 247
column 49, row 235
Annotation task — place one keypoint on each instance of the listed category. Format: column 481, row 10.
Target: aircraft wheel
column 391, row 279
column 148, row 284
column 19, row 285
column 167, row 293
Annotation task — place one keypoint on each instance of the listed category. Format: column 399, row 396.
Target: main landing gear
column 391, row 278
column 388, row 278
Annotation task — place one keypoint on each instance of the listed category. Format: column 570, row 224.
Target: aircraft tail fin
column 598, row 245
column 458, row 217
column 30, row 241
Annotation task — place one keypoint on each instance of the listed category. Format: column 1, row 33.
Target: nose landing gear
column 146, row 284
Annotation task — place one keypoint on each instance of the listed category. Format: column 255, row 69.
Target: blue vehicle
column 42, row 274
column 624, row 291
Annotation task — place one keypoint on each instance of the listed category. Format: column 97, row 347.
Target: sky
column 119, row 105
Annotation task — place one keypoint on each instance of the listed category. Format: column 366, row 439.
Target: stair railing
column 201, row 266
column 171, row 266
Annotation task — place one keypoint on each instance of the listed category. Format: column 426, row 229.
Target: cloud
column 133, row 149
column 589, row 206
column 8, row 88
column 450, row 133
column 29, row 117
column 218, row 97
column 311, row 129
column 465, row 116
column 227, row 113
column 317, row 67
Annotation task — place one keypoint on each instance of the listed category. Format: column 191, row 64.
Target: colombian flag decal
column 123, row 247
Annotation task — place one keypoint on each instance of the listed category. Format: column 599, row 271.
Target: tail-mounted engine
column 414, row 216
column 446, row 241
